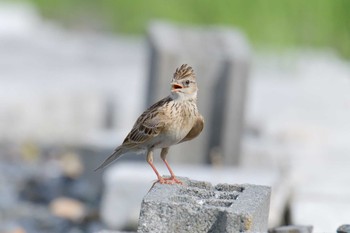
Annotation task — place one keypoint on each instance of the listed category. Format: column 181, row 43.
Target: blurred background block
column 221, row 58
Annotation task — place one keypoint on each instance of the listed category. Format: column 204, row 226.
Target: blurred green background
column 273, row 24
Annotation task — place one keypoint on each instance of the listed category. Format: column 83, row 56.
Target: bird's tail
column 117, row 153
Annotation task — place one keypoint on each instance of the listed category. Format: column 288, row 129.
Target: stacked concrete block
column 198, row 206
column 220, row 58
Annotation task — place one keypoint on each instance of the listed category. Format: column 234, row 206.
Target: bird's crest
column 183, row 72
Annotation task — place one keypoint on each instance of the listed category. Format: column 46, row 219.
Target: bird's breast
column 182, row 120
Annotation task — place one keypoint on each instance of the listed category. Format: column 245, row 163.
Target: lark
column 170, row 121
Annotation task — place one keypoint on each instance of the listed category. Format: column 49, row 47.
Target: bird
column 172, row 120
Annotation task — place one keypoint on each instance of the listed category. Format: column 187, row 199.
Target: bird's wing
column 143, row 132
column 196, row 129
column 148, row 125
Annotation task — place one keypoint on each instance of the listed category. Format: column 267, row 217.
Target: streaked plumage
column 172, row 120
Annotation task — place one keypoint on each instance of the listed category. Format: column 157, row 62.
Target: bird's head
column 183, row 84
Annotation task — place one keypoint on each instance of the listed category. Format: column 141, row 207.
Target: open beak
column 176, row 87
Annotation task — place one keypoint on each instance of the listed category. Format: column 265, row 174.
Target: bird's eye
column 187, row 82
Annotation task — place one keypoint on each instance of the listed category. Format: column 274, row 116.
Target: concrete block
column 126, row 184
column 198, row 206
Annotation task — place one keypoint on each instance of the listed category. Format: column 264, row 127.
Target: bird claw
column 171, row 180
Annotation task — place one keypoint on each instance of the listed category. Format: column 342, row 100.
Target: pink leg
column 150, row 162
column 172, row 179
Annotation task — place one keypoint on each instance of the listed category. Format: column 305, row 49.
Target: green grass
column 267, row 23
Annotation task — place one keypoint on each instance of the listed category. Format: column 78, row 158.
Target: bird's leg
column 150, row 162
column 172, row 179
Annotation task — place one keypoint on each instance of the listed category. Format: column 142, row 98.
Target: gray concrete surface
column 198, row 206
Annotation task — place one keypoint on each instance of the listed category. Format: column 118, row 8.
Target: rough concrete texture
column 198, row 206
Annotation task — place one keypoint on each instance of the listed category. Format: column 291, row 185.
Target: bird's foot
column 170, row 180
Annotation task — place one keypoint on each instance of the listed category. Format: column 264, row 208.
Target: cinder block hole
column 200, row 185
column 183, row 199
column 205, row 202
column 199, row 193
column 218, row 203
column 229, row 188
column 227, row 195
